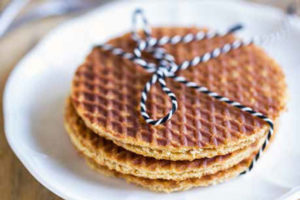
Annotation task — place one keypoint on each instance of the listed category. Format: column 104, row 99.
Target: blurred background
column 22, row 24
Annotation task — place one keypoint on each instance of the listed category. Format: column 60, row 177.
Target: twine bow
column 167, row 68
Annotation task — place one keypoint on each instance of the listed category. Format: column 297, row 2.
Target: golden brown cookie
column 104, row 152
column 161, row 185
column 106, row 93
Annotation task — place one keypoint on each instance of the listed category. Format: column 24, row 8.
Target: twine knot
column 166, row 67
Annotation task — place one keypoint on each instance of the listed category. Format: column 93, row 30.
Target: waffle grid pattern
column 108, row 150
column 106, row 92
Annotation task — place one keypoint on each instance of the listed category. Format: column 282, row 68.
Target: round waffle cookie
column 161, row 185
column 106, row 92
column 106, row 153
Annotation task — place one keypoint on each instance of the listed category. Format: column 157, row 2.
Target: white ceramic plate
column 36, row 90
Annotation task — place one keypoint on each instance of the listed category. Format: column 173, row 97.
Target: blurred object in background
column 282, row 4
column 9, row 12
column 3, row 3
column 14, row 15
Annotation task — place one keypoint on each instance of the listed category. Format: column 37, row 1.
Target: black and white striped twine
column 166, row 68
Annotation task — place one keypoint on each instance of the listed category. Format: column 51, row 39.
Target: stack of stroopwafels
column 205, row 142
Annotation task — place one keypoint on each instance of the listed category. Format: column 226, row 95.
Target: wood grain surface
column 16, row 183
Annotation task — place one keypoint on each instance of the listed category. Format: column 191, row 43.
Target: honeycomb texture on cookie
column 105, row 152
column 106, row 93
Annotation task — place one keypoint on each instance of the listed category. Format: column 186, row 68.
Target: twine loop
column 166, row 67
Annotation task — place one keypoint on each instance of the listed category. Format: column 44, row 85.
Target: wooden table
column 15, row 181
